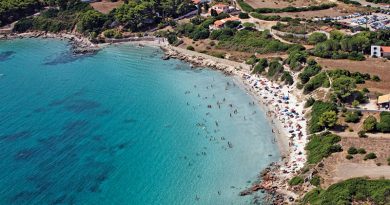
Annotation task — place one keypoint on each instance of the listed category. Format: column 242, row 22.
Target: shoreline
column 274, row 179
column 79, row 44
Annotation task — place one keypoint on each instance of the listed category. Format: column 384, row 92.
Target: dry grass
column 337, row 167
column 106, row 6
column 379, row 67
column 283, row 3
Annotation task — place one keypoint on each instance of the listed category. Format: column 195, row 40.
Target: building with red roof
column 380, row 51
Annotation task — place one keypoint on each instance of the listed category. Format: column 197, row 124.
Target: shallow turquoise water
column 123, row 127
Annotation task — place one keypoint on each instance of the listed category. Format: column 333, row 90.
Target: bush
column 376, row 78
column 384, row 123
column 361, row 151
column 321, row 146
column 369, row 124
column 318, row 108
column 352, row 150
column 295, row 181
column 309, row 102
column 370, row 156
column 242, row 15
column 359, row 190
column 362, row 134
column 349, row 157
column 260, row 66
column 352, row 116
column 191, row 48
column 388, row 161
column 317, row 81
column 287, row 78
column 274, row 68
column 317, row 37
column 315, row 181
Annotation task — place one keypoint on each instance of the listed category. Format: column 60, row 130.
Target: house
column 380, row 51
column 384, row 101
column 221, row 23
column 219, row 8
column 196, row 2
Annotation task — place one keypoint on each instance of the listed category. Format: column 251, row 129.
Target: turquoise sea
column 123, row 127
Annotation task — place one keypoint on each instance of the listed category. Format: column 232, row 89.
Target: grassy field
column 106, row 6
column 373, row 66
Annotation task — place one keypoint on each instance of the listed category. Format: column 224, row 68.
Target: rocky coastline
column 79, row 44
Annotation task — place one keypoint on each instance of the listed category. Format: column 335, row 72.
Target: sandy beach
column 283, row 108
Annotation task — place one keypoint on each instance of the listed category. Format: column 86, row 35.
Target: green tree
column 369, row 124
column 317, row 37
column 336, row 35
column 343, row 86
column 91, row 21
column 328, row 119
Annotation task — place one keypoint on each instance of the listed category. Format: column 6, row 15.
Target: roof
column 220, row 5
column 384, row 99
column 234, row 18
column 385, row 49
column 218, row 23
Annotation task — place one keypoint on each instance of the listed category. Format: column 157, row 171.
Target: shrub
column 369, row 124
column 384, row 123
column 352, row 150
column 370, row 156
column 315, row 181
column 321, row 146
column 361, row 151
column 317, row 81
column 388, row 161
column 243, row 15
column 362, row 134
column 376, row 78
column 349, row 157
column 318, row 108
column 358, row 190
column 287, row 78
column 309, row 102
column 191, row 48
column 295, row 181
column 274, row 68
column 352, row 116
column 260, row 66
column 317, row 37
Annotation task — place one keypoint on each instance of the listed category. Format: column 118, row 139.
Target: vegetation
column 317, row 37
column 251, row 41
column 351, row 47
column 287, row 78
column 274, row 68
column 311, row 70
column 352, row 150
column 351, row 190
column 319, row 80
column 112, row 33
column 349, row 157
column 260, row 66
column 353, row 116
column 361, row 151
column 12, row 10
column 295, row 181
column 384, row 123
column 321, row 146
column 369, row 124
column 328, row 119
column 295, row 9
column 318, row 108
column 370, row 155
column 315, row 181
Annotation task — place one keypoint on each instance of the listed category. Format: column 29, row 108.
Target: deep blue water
column 123, row 127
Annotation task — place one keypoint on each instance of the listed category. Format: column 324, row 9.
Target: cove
column 123, row 127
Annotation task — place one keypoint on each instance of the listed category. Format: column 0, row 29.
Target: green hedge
column 357, row 189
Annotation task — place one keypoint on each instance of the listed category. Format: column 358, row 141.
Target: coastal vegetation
column 351, row 191
column 321, row 146
column 12, row 10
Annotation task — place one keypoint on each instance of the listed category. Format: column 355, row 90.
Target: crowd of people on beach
column 285, row 114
